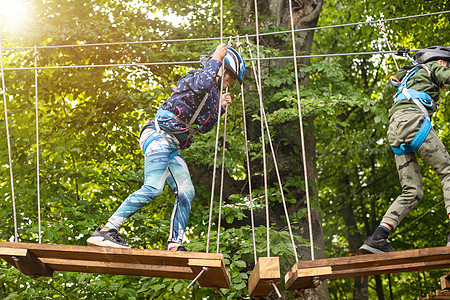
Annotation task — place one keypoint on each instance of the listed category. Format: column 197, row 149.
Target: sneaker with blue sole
column 109, row 238
column 372, row 246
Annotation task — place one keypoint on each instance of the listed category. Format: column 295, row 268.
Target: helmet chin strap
column 219, row 81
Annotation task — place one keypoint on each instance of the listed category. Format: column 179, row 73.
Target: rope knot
column 381, row 27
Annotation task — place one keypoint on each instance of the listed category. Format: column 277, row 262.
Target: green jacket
column 423, row 82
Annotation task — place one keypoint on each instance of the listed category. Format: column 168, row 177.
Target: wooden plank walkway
column 37, row 260
column 309, row 274
column 440, row 295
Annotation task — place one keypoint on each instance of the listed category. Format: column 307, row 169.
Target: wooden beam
column 302, row 274
column 265, row 272
column 306, row 278
column 133, row 262
column 445, row 281
column 26, row 262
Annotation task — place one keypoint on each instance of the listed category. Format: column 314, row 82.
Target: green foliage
column 89, row 122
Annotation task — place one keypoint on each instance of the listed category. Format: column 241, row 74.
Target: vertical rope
column 247, row 156
column 36, row 54
column 275, row 164
column 9, row 143
column 217, row 141
column 219, row 218
column 262, row 130
column 308, row 204
column 219, row 221
column 383, row 31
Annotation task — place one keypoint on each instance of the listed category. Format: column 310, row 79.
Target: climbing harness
column 164, row 115
column 421, row 99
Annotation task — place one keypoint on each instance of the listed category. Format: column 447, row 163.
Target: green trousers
column 403, row 126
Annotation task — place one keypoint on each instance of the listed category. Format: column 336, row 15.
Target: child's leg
column 180, row 182
column 412, row 189
column 156, row 170
column 435, row 154
column 403, row 126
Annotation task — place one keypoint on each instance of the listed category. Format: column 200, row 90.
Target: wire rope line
column 198, row 62
column 291, row 235
column 9, row 143
column 302, row 136
column 263, row 143
column 383, row 31
column 218, row 38
column 247, row 157
column 36, row 57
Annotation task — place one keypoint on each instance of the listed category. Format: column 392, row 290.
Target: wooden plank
column 142, row 256
column 365, row 265
column 445, row 281
column 306, row 278
column 214, row 277
column 133, row 262
column 26, row 262
column 303, row 279
column 265, row 272
column 100, row 267
column 392, row 258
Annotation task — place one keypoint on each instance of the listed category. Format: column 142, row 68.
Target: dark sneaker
column 372, row 246
column 177, row 248
column 110, row 238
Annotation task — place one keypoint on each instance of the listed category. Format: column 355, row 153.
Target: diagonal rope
column 263, row 143
column 9, row 143
column 383, row 31
column 275, row 164
column 247, row 157
column 36, row 57
column 305, row 169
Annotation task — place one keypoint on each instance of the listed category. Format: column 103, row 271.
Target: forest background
column 90, row 119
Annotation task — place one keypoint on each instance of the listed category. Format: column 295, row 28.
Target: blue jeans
column 162, row 164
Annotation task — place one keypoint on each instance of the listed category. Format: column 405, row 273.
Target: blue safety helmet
column 233, row 63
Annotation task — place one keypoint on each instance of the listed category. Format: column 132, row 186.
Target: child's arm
column 442, row 74
column 205, row 79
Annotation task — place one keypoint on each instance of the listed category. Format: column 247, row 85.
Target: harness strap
column 157, row 135
column 166, row 135
column 417, row 140
column 421, row 99
column 188, row 125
